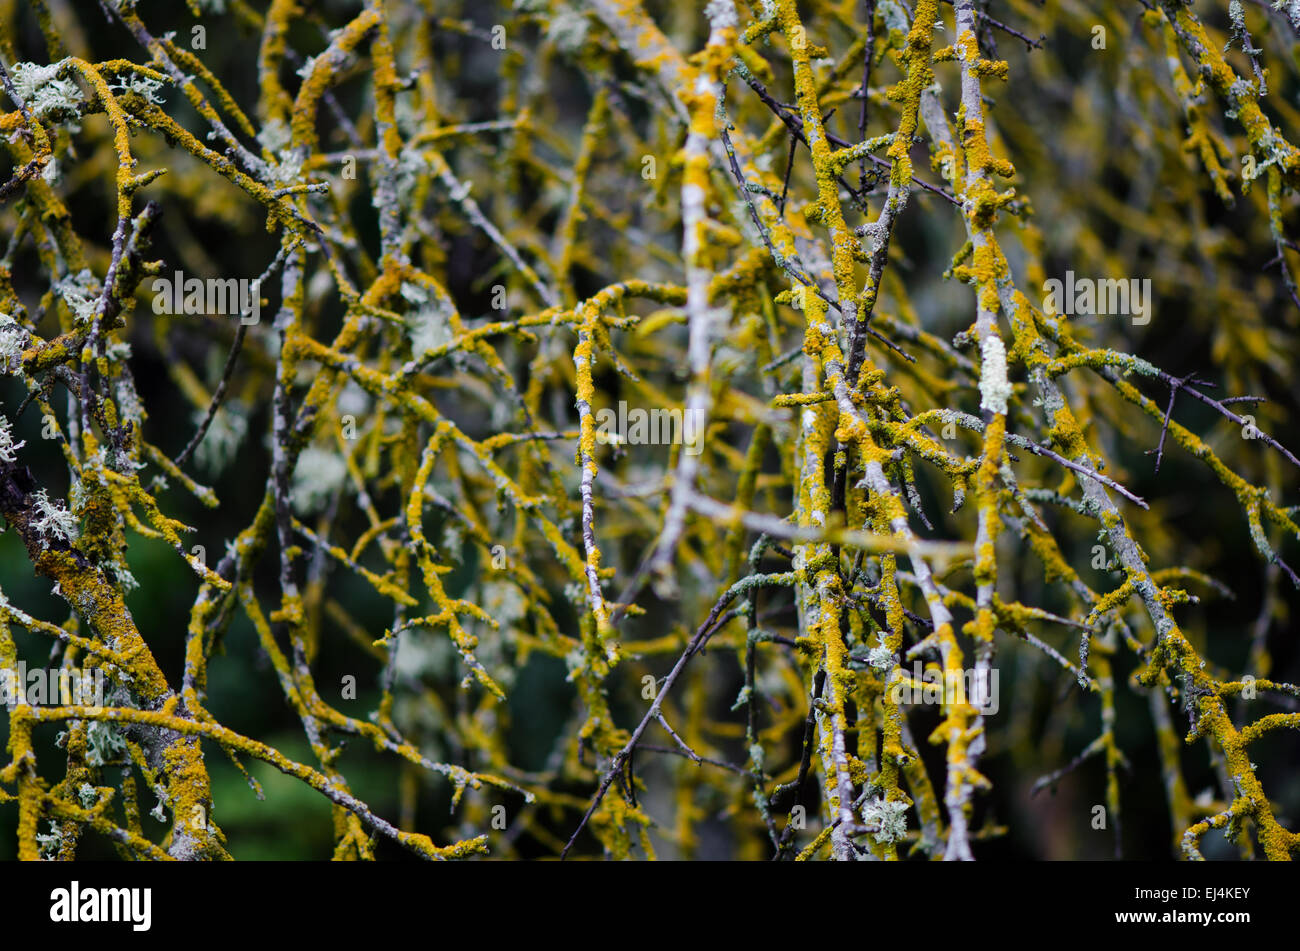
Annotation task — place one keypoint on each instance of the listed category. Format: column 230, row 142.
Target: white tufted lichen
column 1291, row 8
column 995, row 390
column 225, row 434
column 429, row 321
column 51, row 520
column 721, row 14
column 145, row 86
column 882, row 658
column 567, row 29
column 13, row 338
column 275, row 135
column 889, row 817
column 7, row 444
column 81, row 293
column 44, row 92
column 103, row 743
column 318, row 476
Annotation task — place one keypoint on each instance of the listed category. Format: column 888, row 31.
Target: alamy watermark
column 1086, row 296
column 59, row 686
column 179, row 295
column 74, row 904
column 929, row 686
column 655, row 427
